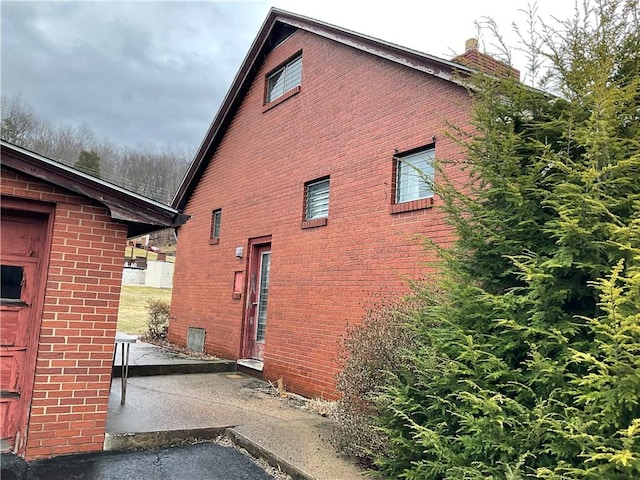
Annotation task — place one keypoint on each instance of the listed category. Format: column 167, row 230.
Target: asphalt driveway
column 203, row 461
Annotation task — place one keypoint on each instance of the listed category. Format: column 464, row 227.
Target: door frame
column 253, row 260
column 34, row 328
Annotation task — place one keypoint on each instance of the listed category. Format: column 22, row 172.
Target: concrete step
column 209, row 366
column 146, row 359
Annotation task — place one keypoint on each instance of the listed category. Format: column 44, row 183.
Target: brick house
column 62, row 244
column 304, row 198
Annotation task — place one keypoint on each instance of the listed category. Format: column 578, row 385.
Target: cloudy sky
column 155, row 72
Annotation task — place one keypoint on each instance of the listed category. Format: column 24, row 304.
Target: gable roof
column 278, row 25
column 141, row 214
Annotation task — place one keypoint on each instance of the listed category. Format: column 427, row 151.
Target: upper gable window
column 284, row 79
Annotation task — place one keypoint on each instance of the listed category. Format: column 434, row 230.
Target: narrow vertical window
column 216, row 218
column 263, row 296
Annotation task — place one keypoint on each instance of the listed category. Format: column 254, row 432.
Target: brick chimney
column 477, row 60
column 471, row 44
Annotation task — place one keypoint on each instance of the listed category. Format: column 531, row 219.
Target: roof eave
column 141, row 214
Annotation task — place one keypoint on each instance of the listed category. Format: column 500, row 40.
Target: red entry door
column 257, row 300
column 22, row 245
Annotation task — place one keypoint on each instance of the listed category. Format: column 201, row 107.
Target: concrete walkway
column 163, row 410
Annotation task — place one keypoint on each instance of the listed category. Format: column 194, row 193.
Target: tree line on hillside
column 146, row 169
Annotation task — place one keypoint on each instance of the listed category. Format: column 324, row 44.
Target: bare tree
column 147, row 169
column 19, row 122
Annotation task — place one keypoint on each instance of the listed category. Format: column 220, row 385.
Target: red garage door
column 22, row 249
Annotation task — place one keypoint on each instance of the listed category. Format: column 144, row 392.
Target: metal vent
column 195, row 339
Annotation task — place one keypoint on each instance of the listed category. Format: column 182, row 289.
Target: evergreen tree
column 88, row 162
column 528, row 364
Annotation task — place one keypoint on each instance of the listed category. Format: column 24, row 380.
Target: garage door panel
column 9, row 327
column 22, row 244
column 26, row 234
column 8, row 407
column 10, row 369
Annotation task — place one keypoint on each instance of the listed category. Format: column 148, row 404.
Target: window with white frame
column 317, row 199
column 284, row 79
column 414, row 175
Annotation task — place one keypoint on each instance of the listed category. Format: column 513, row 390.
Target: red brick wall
column 352, row 112
column 73, row 366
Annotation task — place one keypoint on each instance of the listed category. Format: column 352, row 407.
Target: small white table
column 125, row 342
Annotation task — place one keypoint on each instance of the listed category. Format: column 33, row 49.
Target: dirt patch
column 322, row 407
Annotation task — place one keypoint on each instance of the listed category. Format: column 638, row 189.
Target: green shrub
column 530, row 365
column 157, row 320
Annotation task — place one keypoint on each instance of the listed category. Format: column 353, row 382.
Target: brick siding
column 73, row 367
column 353, row 111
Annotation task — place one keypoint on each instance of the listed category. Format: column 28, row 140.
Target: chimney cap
column 471, row 44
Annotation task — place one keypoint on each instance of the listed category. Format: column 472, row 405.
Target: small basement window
column 216, row 218
column 284, row 79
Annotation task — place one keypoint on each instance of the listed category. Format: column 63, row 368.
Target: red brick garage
column 62, row 244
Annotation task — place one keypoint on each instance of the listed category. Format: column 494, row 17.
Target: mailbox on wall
column 238, row 282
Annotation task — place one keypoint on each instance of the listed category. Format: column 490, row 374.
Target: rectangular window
column 216, row 218
column 284, row 79
column 11, row 277
column 263, row 296
column 316, row 199
column 414, row 176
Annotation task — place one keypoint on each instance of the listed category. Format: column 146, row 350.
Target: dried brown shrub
column 157, row 320
column 369, row 353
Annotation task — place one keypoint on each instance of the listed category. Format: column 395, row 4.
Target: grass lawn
column 132, row 315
